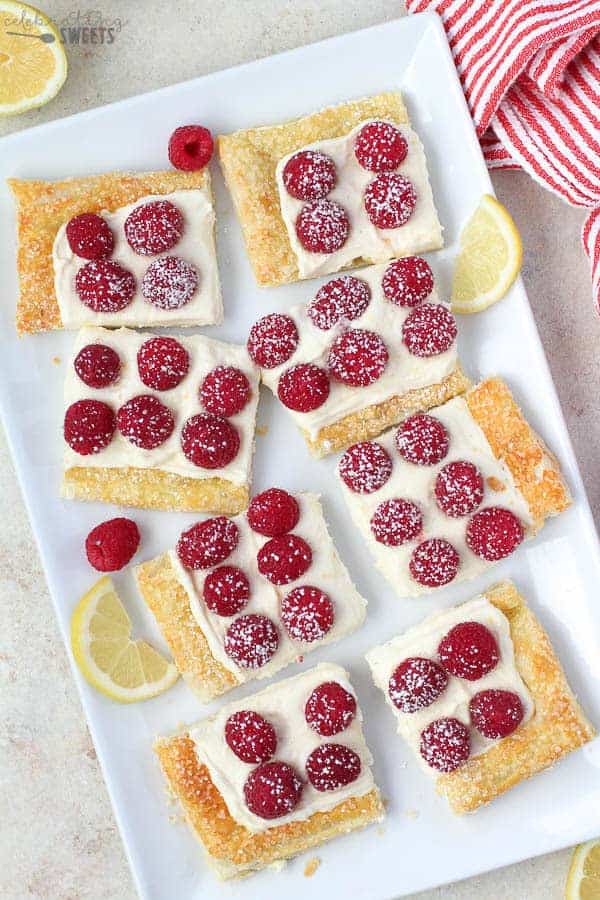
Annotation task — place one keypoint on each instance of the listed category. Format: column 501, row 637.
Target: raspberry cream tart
column 117, row 249
column 452, row 491
column 159, row 422
column 480, row 697
column 240, row 598
column 339, row 188
column 276, row 773
column 366, row 351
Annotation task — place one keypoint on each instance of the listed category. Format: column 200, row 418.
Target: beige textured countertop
column 59, row 838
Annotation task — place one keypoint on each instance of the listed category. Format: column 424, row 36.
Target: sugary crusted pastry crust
column 557, row 727
column 43, row 206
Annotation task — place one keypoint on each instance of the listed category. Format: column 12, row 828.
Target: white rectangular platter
column 421, row 843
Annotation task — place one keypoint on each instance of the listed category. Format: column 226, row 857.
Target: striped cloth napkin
column 530, row 70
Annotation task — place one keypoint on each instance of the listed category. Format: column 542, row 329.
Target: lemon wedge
column 583, row 880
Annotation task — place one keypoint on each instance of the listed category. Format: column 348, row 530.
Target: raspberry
column 365, row 467
column 422, row 440
column 272, row 340
column 250, row 737
column 332, row 766
column 496, row 714
column 390, row 200
column 190, row 147
column 445, row 744
column 429, row 330
column 273, row 512
column 169, row 282
column 284, row 558
column 110, row 545
column 345, row 297
column 225, row 391
column 309, row 175
column 145, row 421
column 380, row 147
column 493, row 533
column 226, row 591
column 322, row 226
column 307, row 614
column 89, row 426
column 434, row 562
column 97, row 365
column 209, row 441
column 357, row 357
column 459, row 488
column 408, row 281
column 89, row 236
column 104, row 286
column 153, row 227
column 396, row 521
column 469, row 650
column 416, row 683
column 251, row 641
column 162, row 363
column 208, row 543
column 304, row 387
column 330, row 709
column 273, row 790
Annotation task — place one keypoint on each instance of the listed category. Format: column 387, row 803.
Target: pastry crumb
column 381, row 830
column 495, row 484
column 412, row 813
column 262, row 430
column 56, row 360
column 311, row 866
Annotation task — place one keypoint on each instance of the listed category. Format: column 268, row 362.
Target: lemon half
column 583, row 880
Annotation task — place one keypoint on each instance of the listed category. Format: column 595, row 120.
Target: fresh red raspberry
column 153, row 227
column 330, row 709
column 494, row 532
column 272, row 341
column 169, row 282
column 89, row 426
column 273, row 790
column 459, row 488
column 250, row 737
column 89, row 236
column 495, row 713
column 284, row 558
column 396, row 521
column 225, row 391
column 309, row 175
column 162, row 363
column 322, row 226
column 345, row 297
column 273, row 512
column 307, row 614
column 145, row 421
column 416, row 683
column 304, row 387
column 365, row 467
column 332, row 766
column 226, row 590
column 434, row 563
column 445, row 744
column 251, row 641
column 104, row 286
column 422, row 440
column 190, row 147
column 380, row 147
column 209, row 441
column 408, row 281
column 97, row 365
column 358, row 357
column 469, row 650
column 429, row 330
column 208, row 543
column 390, row 200
column 110, row 545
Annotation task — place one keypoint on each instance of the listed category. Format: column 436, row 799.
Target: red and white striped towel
column 530, row 70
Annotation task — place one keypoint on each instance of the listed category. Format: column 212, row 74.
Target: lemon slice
column 121, row 668
column 33, row 64
column 583, row 880
column 489, row 259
